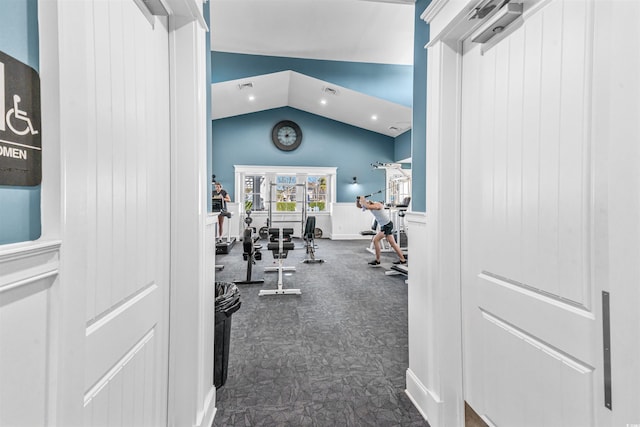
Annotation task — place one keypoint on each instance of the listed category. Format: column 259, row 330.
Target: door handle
column 606, row 345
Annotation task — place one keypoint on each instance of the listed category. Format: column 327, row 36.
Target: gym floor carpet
column 334, row 356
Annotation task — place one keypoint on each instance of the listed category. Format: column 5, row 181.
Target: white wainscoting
column 421, row 375
column 347, row 221
column 28, row 271
column 343, row 222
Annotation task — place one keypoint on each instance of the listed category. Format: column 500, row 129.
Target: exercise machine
column 398, row 269
column 251, row 251
column 223, row 243
column 309, row 241
column 280, row 244
column 303, row 208
column 384, row 244
column 396, row 215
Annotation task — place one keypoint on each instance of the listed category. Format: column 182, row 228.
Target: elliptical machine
column 251, row 250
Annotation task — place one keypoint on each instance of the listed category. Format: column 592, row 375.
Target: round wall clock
column 286, row 135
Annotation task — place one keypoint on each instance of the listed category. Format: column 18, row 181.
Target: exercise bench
column 280, row 244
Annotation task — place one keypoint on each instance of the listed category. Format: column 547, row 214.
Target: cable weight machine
column 303, row 211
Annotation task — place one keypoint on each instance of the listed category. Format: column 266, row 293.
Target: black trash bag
column 227, row 303
column 227, row 294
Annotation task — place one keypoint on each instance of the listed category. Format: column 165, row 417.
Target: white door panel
column 126, row 342
column 530, row 323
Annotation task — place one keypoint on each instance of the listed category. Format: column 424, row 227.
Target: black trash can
column 227, row 303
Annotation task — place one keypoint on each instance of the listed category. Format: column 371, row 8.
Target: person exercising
column 386, row 228
column 219, row 193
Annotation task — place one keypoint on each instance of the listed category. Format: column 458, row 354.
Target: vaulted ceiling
column 378, row 32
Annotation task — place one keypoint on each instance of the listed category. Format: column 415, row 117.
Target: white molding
column 117, row 368
column 434, row 377
column 309, row 170
column 432, row 10
column 28, row 280
column 212, row 218
column 191, row 318
column 24, row 264
column 22, row 250
column 415, row 217
column 189, row 9
column 107, row 317
column 349, row 237
column 428, row 403
column 548, row 349
column 207, row 414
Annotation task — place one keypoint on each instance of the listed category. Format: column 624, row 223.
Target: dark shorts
column 387, row 228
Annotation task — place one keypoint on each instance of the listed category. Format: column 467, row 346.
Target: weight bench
column 280, row 244
column 251, row 253
column 310, row 242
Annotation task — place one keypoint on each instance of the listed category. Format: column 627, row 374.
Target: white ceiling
column 288, row 88
column 342, row 30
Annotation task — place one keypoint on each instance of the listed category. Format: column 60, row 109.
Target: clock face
column 286, row 135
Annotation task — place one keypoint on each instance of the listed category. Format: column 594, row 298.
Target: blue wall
column 390, row 82
column 419, row 125
column 246, row 140
column 402, row 149
column 20, row 206
column 207, row 17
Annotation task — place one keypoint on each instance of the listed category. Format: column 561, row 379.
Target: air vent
column 330, row 90
column 245, row 85
column 393, row 128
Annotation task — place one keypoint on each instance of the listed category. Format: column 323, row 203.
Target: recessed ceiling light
column 374, row 117
column 323, row 101
column 251, row 97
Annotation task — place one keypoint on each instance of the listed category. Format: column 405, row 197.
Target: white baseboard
column 349, row 237
column 427, row 402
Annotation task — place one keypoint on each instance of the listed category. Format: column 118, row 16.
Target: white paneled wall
column 26, row 278
column 347, row 221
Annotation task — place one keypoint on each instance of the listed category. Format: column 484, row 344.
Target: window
column 317, row 193
column 254, row 193
column 285, row 188
column 285, row 193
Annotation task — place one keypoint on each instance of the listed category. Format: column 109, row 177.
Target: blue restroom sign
column 20, row 130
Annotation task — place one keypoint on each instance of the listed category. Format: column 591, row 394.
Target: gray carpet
column 334, row 356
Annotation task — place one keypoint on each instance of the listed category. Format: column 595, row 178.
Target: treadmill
column 223, row 244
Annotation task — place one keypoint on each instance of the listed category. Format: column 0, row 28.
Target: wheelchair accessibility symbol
column 17, row 118
column 20, row 124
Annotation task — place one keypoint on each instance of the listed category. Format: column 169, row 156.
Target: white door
column 533, row 316
column 125, row 182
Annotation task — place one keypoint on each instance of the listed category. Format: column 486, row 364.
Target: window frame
column 300, row 172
